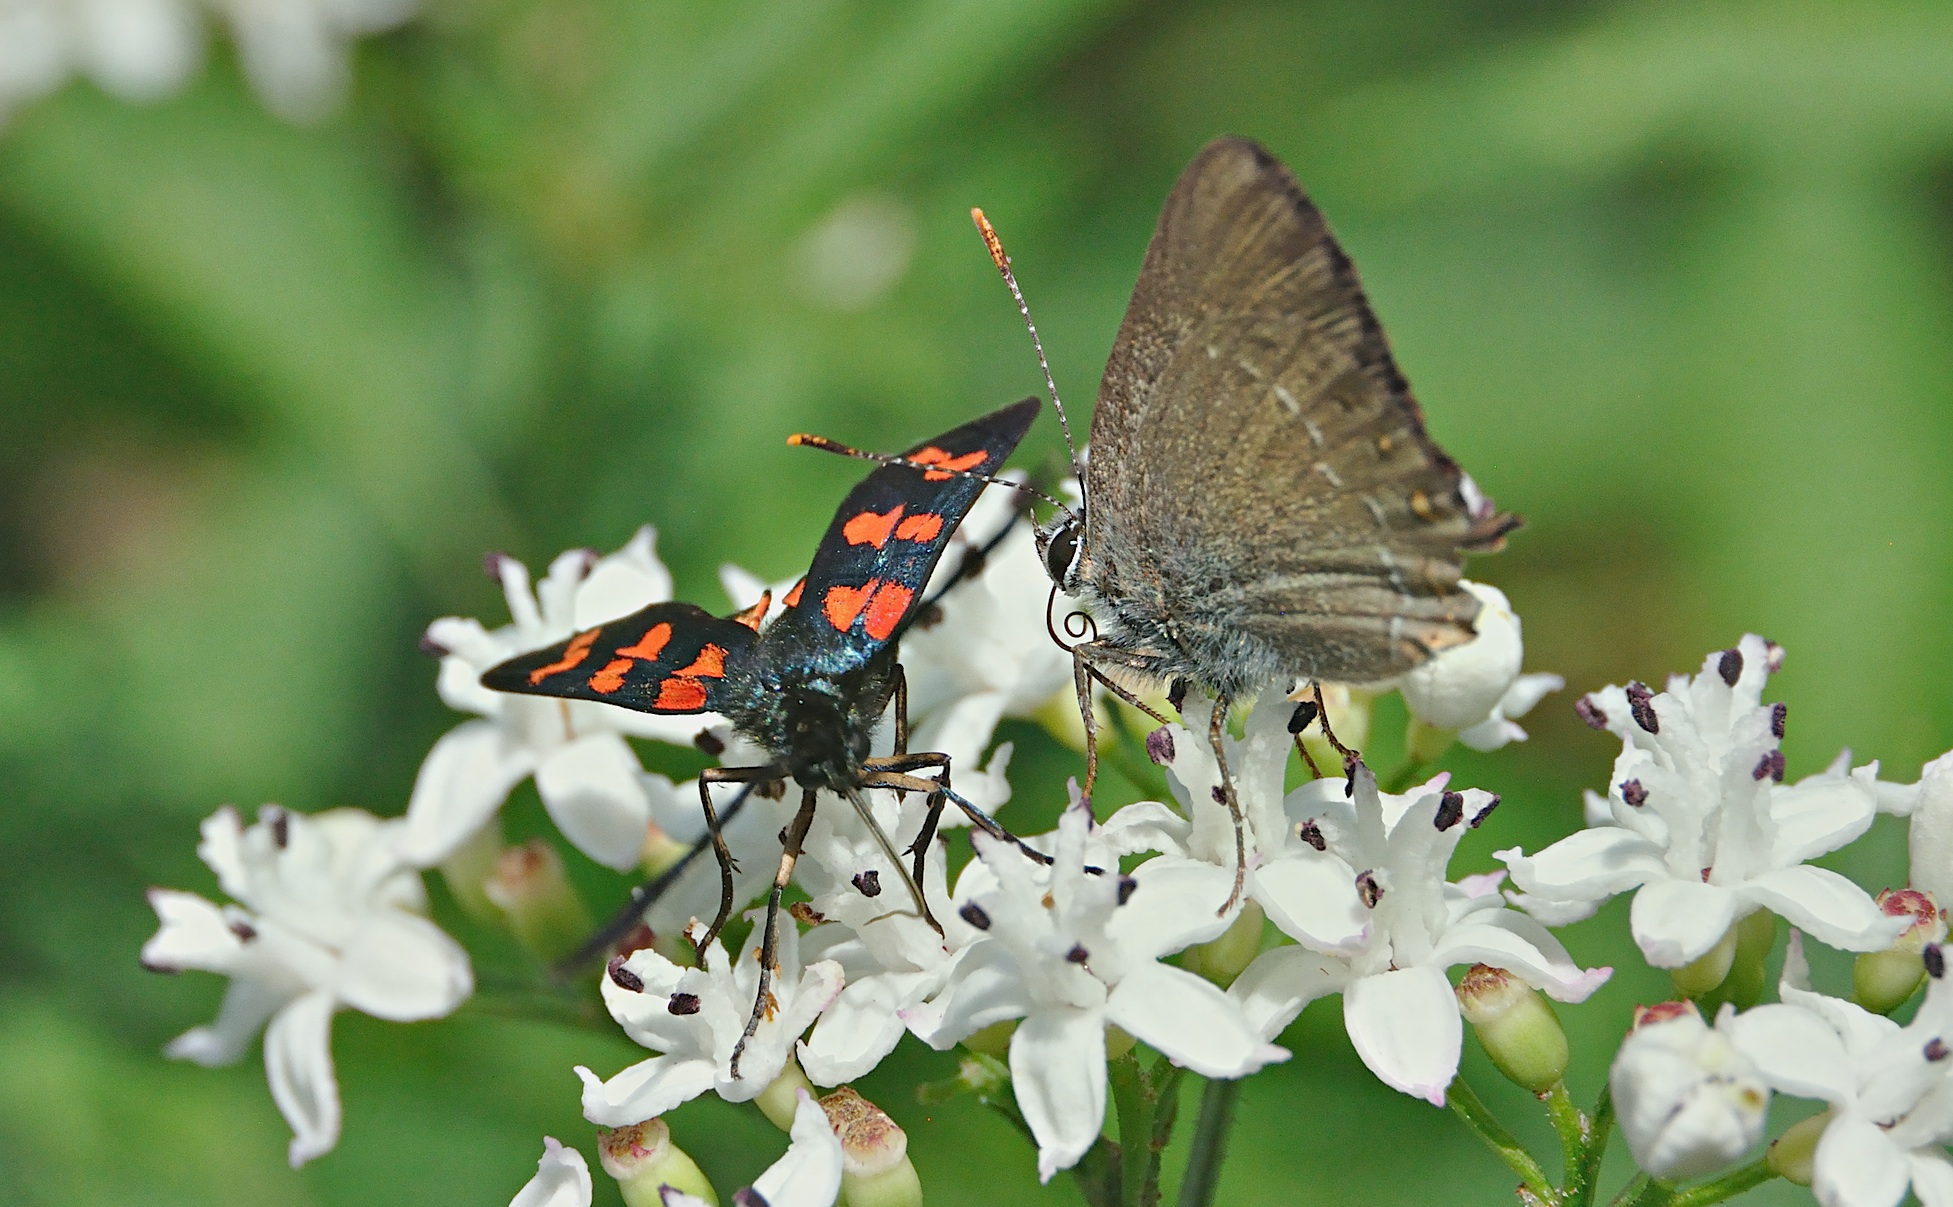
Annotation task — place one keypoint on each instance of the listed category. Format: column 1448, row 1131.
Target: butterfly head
column 1061, row 548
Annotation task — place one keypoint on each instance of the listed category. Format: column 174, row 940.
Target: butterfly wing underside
column 888, row 534
column 665, row 658
column 1255, row 441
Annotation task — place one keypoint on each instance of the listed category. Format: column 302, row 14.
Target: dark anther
column 1779, row 713
column 1451, row 810
column 431, row 647
column 1220, row 794
column 1159, row 746
column 281, row 827
column 1935, row 1049
column 1126, row 885
column 748, row 1197
column 869, row 882
column 1176, row 694
column 1303, row 716
column 491, row 564
column 1641, row 702
column 974, row 915
column 244, row 931
column 1770, row 766
column 1730, row 666
column 624, row 978
column 1634, row 793
column 973, row 562
column 1479, row 818
column 1590, row 712
column 1368, row 889
column 1935, row 961
column 1078, row 954
column 806, row 914
column 930, row 616
column 711, row 743
column 1311, row 833
column 683, row 1003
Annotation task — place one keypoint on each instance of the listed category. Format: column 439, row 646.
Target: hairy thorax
column 819, row 725
column 1183, row 624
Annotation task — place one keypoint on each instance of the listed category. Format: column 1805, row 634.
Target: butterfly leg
column 1322, row 711
column 1305, row 713
column 763, row 1003
column 901, row 711
column 1081, row 676
column 727, row 864
column 1216, row 737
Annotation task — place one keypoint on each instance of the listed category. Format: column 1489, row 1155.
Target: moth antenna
column 1002, row 261
column 804, row 440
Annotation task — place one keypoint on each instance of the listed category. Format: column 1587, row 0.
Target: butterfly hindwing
column 870, row 569
column 665, row 658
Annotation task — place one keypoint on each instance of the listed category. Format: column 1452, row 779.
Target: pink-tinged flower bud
column 1519, row 1030
column 643, row 1160
column 1689, row 1103
column 1793, row 1155
column 1881, row 981
column 1222, row 959
column 534, row 893
column 1661, row 1012
column 875, row 1166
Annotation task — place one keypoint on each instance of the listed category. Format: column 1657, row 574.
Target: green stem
column 1486, row 1127
column 1097, row 1173
column 1655, row 1193
column 1631, row 1193
column 1572, row 1127
column 1728, row 1186
column 1209, row 1146
column 1599, row 1129
column 1132, row 1102
column 1165, row 1079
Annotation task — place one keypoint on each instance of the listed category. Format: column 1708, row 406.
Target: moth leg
column 891, row 773
column 1081, row 677
column 1216, row 737
column 727, row 864
column 763, row 1003
column 901, row 711
column 1305, row 713
column 1322, row 712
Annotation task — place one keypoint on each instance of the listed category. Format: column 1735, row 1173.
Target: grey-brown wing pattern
column 1257, row 457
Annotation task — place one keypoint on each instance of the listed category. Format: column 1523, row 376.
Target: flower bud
column 1221, row 960
column 469, row 868
column 1747, row 978
column 660, row 852
column 534, row 893
column 1689, row 1103
column 643, row 1160
column 1881, row 981
column 875, row 1166
column 1793, row 1154
column 1708, row 970
column 1519, row 1030
column 779, row 1100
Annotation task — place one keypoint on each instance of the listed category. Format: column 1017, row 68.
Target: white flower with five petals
column 587, row 775
column 1398, row 1005
column 1698, row 820
column 1070, row 949
column 326, row 917
column 1890, row 1087
column 1689, row 1103
column 1476, row 689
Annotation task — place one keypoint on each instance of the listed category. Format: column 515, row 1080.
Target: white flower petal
column 562, row 1179
column 1057, row 1066
column 858, row 1030
column 194, row 934
column 1858, row 1166
column 1175, row 903
column 298, row 1063
column 1405, row 1026
column 1819, row 814
column 1311, row 897
column 1676, row 921
column 1825, row 904
column 623, row 582
column 1932, row 1177
column 594, row 791
column 248, row 1005
column 809, row 1174
column 1190, row 1020
column 1931, row 831
column 985, row 988
column 1587, row 865
column 1796, row 1051
column 1280, row 982
column 1147, row 825
column 462, row 782
column 643, row 1091
column 1520, row 945
column 402, row 968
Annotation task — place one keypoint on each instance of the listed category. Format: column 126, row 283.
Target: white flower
column 1398, row 1005
column 295, row 51
column 562, row 1179
column 1475, row 689
column 694, row 1017
column 1929, row 805
column 588, row 777
column 1689, row 1103
column 1697, row 819
column 136, row 49
column 326, row 917
column 808, row 1175
column 1060, row 951
column 1890, row 1094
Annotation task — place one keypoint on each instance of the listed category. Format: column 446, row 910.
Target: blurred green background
column 1673, row 280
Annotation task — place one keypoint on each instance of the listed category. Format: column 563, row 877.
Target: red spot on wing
column 921, row 527
column 793, row 597
column 710, row 664
column 843, row 604
column 886, row 610
column 751, row 617
column 611, row 677
column 936, row 456
column 868, row 528
column 679, row 694
column 650, row 645
column 573, row 655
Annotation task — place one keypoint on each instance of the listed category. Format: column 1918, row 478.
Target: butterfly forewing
column 666, row 658
column 870, row 569
column 1258, row 460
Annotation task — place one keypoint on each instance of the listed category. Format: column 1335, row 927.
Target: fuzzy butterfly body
column 813, row 685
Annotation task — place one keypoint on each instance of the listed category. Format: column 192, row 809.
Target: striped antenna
column 1002, row 261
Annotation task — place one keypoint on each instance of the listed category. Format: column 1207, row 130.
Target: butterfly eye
column 1062, row 552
